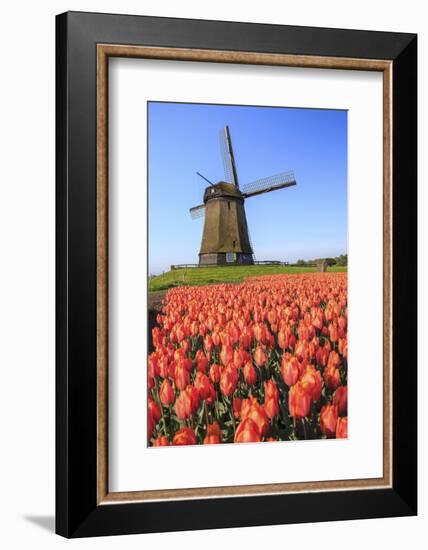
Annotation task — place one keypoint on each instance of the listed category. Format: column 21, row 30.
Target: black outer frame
column 77, row 513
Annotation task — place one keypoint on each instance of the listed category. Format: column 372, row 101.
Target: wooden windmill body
column 225, row 238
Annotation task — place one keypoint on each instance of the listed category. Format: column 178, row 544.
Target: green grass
column 233, row 274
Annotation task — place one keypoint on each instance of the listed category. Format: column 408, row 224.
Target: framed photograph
column 236, row 274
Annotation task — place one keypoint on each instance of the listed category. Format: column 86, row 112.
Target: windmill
column 225, row 238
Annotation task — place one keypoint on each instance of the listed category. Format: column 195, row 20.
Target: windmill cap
column 222, row 189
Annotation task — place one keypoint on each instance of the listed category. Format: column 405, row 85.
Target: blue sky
column 306, row 221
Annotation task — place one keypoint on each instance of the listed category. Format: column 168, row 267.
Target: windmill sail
column 197, row 211
column 270, row 183
column 228, row 159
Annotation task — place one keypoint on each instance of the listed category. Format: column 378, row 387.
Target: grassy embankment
column 232, row 274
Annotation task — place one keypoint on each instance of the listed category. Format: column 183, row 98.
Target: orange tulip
column 184, row 436
column 282, row 339
column 181, row 376
column 312, row 382
column 215, row 374
column 332, row 328
column 211, row 440
column 201, row 361
column 271, row 391
column 183, row 405
column 153, row 365
column 342, row 427
column 236, row 406
column 213, row 435
column 161, row 441
column 228, row 380
column 289, row 369
column 247, row 432
column 322, row 356
column 259, row 356
column 328, row 420
column 251, row 408
column 204, row 336
column 226, row 355
column 299, row 401
column 154, row 414
column 238, row 358
column 333, row 359
column 271, row 407
column 208, row 343
column 341, row 400
column 250, row 375
column 154, row 410
column 332, row 377
column 203, row 385
column 166, row 393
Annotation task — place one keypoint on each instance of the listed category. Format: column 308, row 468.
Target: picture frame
column 84, row 44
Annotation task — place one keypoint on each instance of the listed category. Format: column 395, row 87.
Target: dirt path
column 155, row 299
column 154, row 302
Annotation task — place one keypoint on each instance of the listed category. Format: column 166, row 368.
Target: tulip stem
column 170, row 421
column 232, row 416
column 206, row 412
column 304, row 428
column 161, row 407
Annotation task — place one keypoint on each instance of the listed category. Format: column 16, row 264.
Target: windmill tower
column 225, row 238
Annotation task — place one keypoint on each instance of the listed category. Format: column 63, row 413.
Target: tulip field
column 261, row 360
